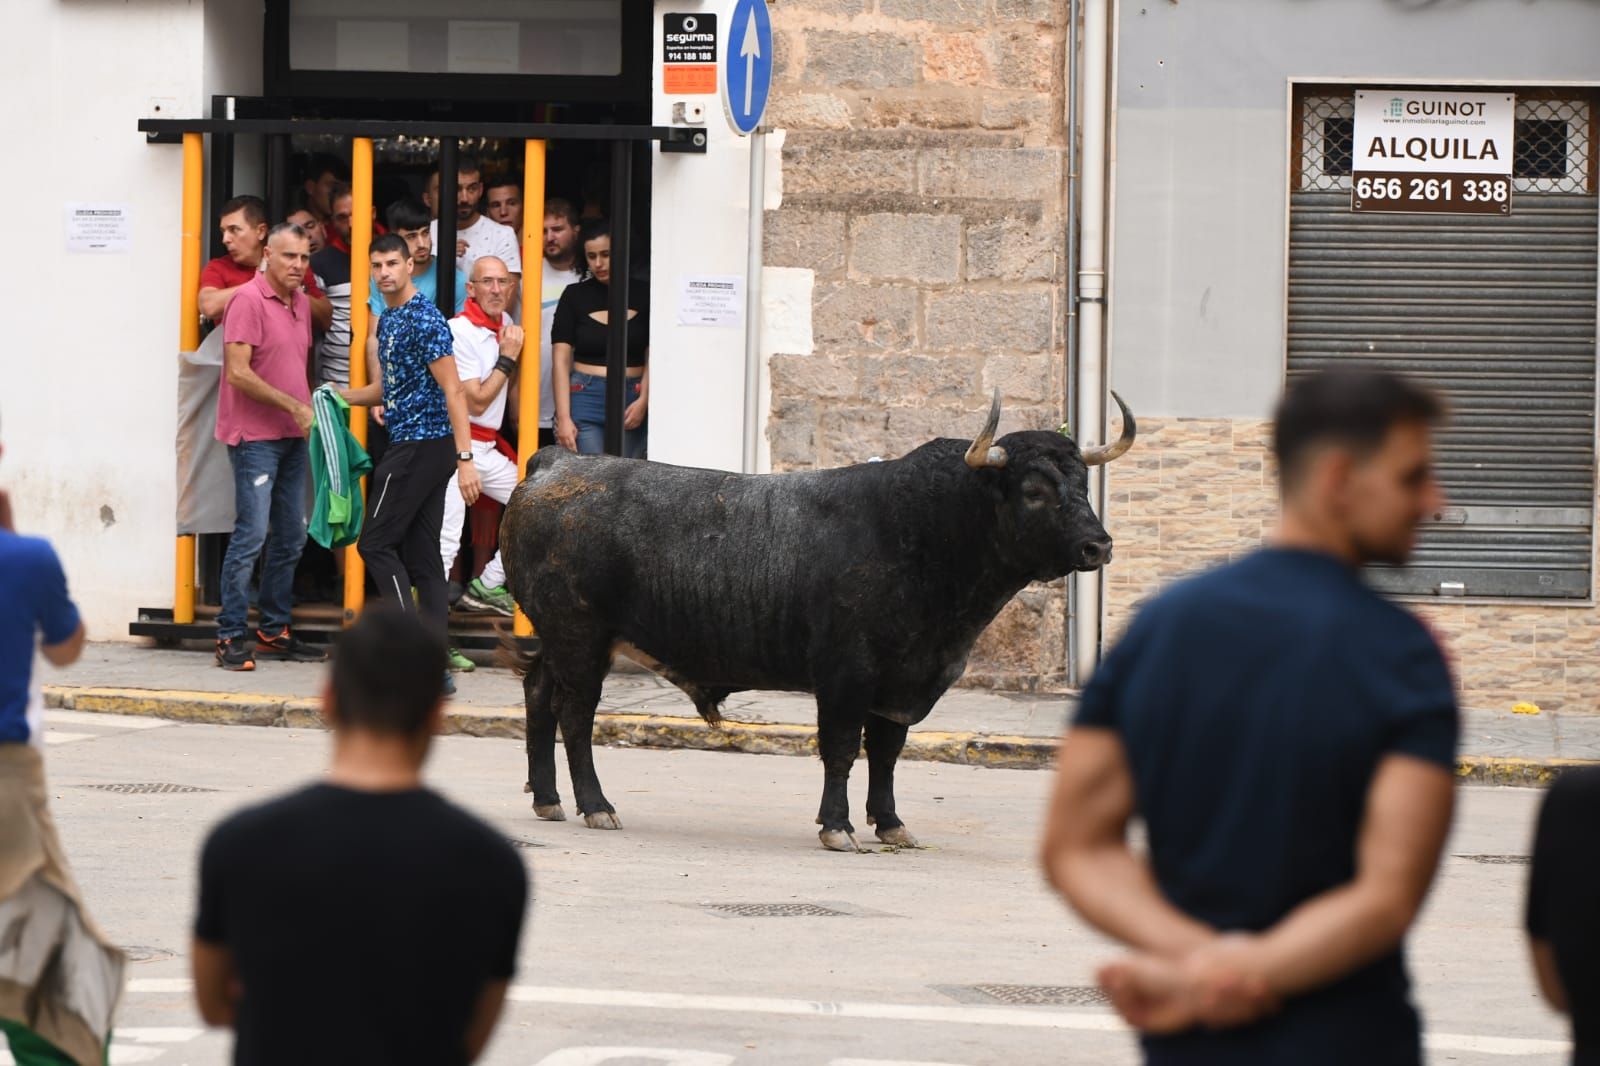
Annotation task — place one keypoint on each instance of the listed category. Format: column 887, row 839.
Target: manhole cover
column 775, row 910
column 1029, row 995
column 514, row 842
column 137, row 953
column 1498, row 860
column 145, row 788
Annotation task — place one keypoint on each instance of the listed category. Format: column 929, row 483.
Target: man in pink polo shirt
column 263, row 416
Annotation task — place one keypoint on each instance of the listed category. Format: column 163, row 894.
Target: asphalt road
column 648, row 945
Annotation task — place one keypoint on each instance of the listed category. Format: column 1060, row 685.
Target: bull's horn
column 983, row 451
column 1099, row 455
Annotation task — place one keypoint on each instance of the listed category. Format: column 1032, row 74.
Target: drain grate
column 1028, row 995
column 514, row 842
column 1498, row 860
column 140, row 953
column 775, row 910
column 145, row 788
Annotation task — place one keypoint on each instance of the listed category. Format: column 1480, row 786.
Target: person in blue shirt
column 56, row 999
column 430, row 440
column 1287, row 735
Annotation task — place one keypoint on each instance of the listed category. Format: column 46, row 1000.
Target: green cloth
column 28, row 1048
column 338, row 463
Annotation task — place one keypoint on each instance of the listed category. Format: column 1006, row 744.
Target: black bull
column 865, row 585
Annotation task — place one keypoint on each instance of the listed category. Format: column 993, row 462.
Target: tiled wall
column 1195, row 492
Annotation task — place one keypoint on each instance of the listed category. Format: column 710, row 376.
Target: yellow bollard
column 188, row 340
column 528, row 368
column 355, row 571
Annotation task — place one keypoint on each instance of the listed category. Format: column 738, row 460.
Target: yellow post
column 355, row 571
column 528, row 368
column 193, row 224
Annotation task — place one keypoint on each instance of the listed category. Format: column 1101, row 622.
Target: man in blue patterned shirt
column 429, row 441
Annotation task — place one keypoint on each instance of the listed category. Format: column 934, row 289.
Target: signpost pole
column 752, row 296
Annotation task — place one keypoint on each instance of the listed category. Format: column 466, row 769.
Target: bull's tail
column 512, row 655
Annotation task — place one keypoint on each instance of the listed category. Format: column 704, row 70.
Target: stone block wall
column 924, row 189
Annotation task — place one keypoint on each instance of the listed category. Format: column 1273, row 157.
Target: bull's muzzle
column 1094, row 554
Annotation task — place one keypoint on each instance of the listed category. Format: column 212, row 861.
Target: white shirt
column 484, row 237
column 555, row 283
column 476, row 350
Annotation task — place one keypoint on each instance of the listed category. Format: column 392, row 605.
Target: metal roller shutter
column 1499, row 314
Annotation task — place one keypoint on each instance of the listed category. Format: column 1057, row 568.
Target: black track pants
column 400, row 536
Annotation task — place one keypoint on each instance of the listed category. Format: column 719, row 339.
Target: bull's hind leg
column 575, row 694
column 839, row 742
column 885, row 739
column 536, row 689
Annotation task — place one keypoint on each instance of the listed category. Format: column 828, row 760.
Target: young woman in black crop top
column 578, row 352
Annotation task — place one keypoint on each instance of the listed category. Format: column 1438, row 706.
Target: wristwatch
column 465, row 457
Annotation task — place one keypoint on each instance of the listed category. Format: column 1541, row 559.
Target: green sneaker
column 460, row 663
column 480, row 597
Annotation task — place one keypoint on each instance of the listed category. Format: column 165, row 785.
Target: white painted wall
column 88, row 374
column 1201, row 178
column 701, row 210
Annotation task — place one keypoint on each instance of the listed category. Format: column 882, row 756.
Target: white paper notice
column 98, row 227
column 484, row 47
column 710, row 300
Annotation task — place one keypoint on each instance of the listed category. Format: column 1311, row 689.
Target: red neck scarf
column 478, row 317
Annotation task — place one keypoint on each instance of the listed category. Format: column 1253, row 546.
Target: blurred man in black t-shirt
column 1564, row 907
column 365, row 920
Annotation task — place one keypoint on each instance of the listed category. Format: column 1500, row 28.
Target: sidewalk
column 968, row 726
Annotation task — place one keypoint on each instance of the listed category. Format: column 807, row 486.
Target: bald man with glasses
column 487, row 346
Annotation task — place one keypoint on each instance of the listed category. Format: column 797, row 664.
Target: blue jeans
column 269, row 497
column 589, row 415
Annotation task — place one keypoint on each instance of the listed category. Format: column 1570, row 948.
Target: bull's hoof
column 602, row 820
column 838, row 840
column 899, row 837
column 551, row 812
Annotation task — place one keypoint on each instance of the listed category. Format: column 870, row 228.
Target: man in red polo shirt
column 243, row 221
column 263, row 416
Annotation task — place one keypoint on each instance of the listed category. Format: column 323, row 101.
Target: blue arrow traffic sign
column 748, row 64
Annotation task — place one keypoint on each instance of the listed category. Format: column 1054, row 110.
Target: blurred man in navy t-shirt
column 1288, row 737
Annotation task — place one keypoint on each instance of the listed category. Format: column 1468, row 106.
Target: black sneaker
column 233, row 654
column 285, row 645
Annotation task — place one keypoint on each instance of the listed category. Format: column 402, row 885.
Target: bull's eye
column 1037, row 496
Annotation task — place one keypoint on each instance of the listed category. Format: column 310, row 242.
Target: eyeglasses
column 493, row 283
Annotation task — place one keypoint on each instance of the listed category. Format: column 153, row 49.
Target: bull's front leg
column 885, row 739
column 838, row 742
column 541, row 745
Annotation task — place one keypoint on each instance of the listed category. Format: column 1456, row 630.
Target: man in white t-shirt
column 476, row 234
column 487, row 345
column 562, row 267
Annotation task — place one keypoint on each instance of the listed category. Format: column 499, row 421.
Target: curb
column 611, row 730
column 672, row 731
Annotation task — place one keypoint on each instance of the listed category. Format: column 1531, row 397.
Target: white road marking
column 1495, row 1045
column 594, row 1056
column 887, row 1062
column 172, row 1034
column 110, row 721
column 1016, row 1017
column 56, row 736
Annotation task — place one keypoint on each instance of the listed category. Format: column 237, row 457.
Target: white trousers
column 499, row 476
